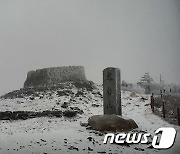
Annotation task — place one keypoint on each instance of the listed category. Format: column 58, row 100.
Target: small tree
column 124, row 83
column 145, row 82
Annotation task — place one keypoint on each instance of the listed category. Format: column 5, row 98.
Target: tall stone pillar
column 112, row 91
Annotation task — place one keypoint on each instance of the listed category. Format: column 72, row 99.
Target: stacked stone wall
column 55, row 75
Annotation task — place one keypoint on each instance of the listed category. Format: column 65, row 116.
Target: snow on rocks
column 54, row 135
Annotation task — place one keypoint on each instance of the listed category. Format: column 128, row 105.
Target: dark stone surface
column 69, row 113
column 62, row 93
column 76, row 109
column 60, row 87
column 112, row 91
column 65, row 105
column 79, row 93
column 89, row 85
column 111, row 123
column 23, row 115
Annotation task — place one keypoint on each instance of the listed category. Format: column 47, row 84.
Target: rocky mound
column 64, row 100
column 55, row 75
column 112, row 123
column 61, row 89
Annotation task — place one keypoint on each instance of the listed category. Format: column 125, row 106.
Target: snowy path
column 149, row 122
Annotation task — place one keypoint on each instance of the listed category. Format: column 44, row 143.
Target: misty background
column 136, row 36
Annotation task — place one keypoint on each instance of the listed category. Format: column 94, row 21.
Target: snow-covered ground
column 53, row 135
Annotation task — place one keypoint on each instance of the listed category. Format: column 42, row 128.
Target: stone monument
column 112, row 91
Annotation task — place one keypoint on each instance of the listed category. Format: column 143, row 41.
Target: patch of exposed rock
column 112, row 123
column 60, row 88
column 23, row 115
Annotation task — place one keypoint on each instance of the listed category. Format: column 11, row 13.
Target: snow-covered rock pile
column 62, row 100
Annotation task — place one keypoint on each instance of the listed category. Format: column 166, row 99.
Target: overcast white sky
column 136, row 36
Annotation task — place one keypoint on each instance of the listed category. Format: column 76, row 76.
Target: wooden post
column 163, row 110
column 161, row 94
column 178, row 116
column 152, row 102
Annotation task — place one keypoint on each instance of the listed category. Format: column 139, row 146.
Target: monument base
column 113, row 123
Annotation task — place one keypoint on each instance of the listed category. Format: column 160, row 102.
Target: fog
column 136, row 36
